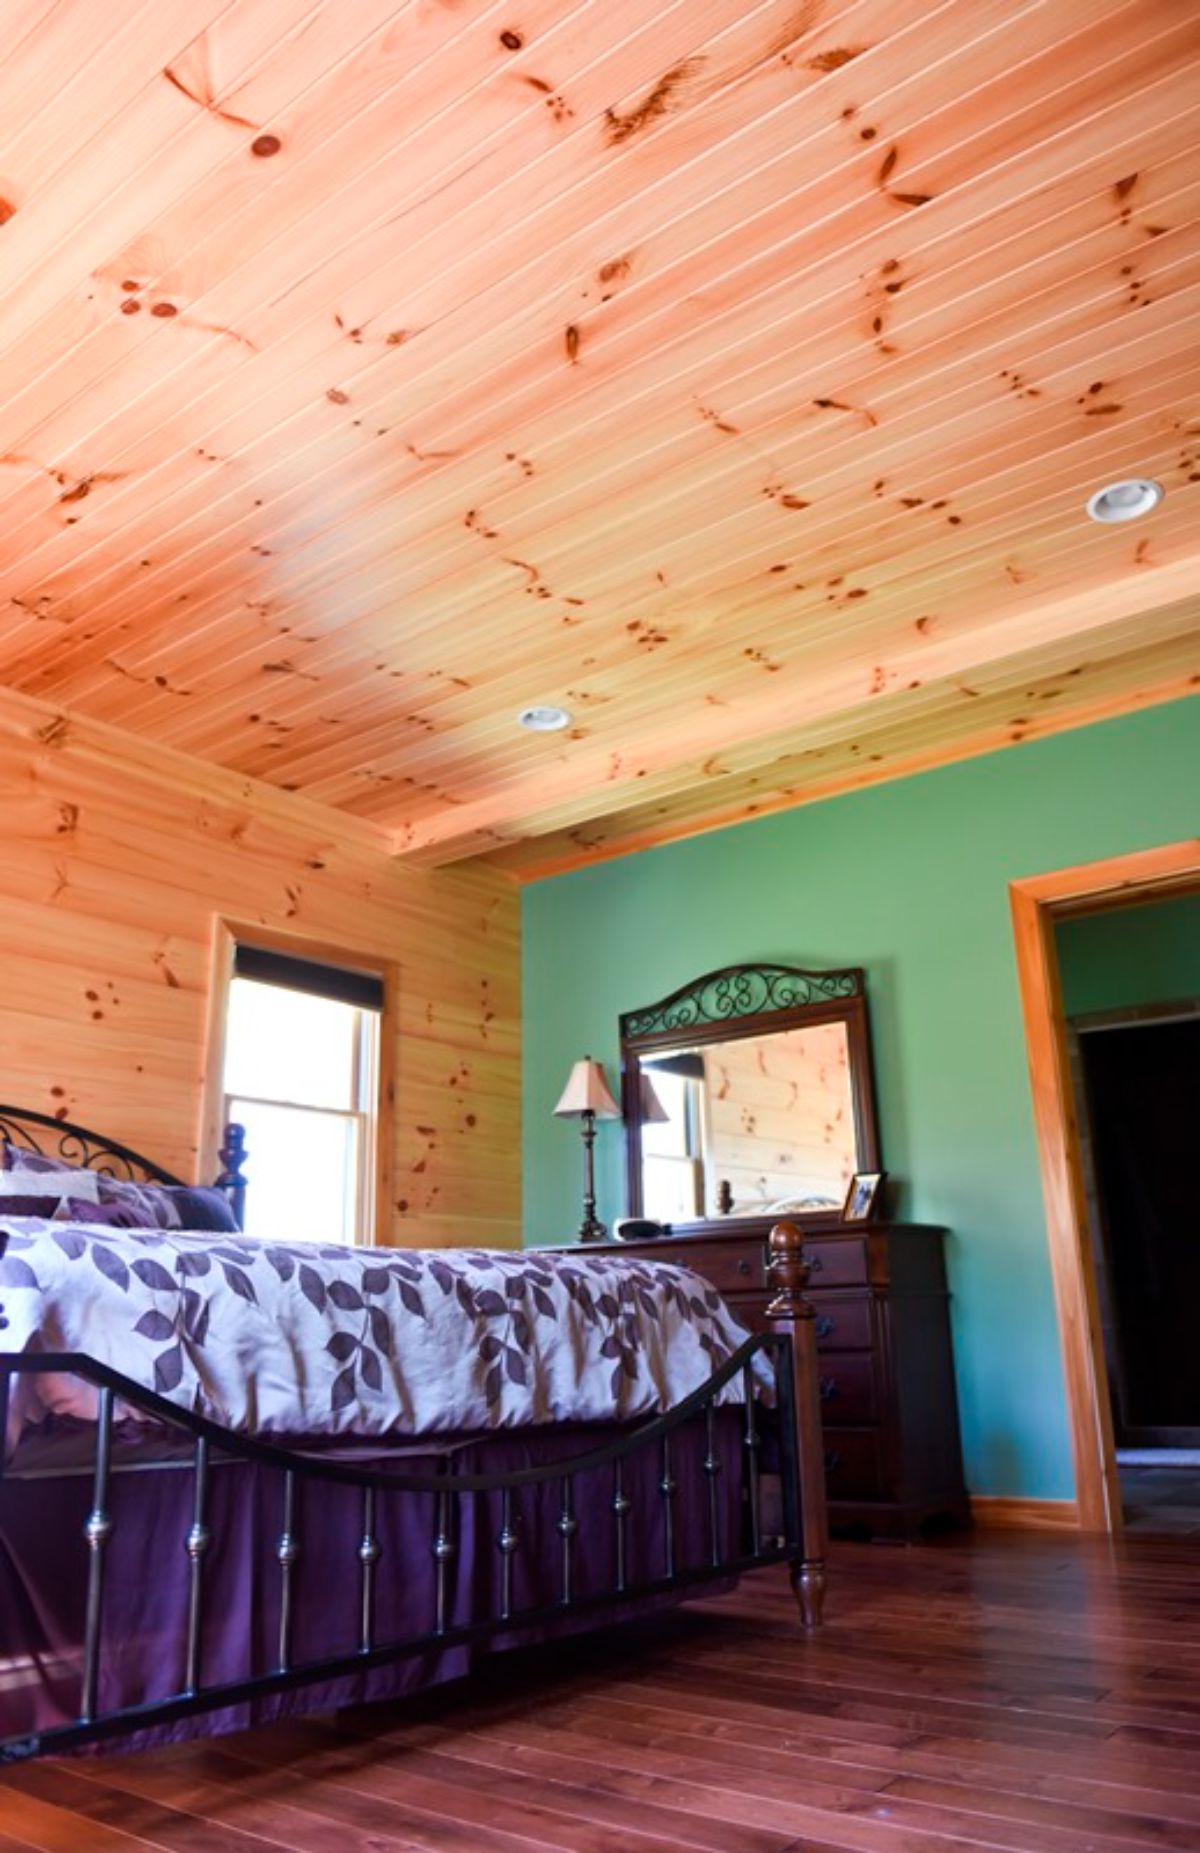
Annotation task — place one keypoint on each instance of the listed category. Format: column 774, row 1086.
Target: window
column 302, row 1076
column 673, row 1141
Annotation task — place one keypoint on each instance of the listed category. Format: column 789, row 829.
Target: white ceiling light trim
column 1127, row 500
column 543, row 719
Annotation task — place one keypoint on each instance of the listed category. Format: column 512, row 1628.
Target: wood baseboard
column 1024, row 1514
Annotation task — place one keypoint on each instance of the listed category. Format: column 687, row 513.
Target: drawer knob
column 826, row 1324
column 829, row 1387
column 815, row 1264
column 743, row 1266
column 833, row 1461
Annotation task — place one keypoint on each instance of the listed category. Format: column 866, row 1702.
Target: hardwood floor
column 1034, row 1694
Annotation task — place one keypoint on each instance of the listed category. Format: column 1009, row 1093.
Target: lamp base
column 591, row 1229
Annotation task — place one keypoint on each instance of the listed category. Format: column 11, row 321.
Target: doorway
column 1136, row 1081
column 1041, row 906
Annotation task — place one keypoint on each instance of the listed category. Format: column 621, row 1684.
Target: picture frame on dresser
column 864, row 1196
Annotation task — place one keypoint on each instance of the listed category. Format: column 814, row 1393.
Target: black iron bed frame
column 793, row 1534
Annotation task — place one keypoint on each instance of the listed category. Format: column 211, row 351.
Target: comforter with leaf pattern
column 280, row 1339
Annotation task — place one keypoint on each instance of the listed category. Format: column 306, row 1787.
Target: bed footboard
column 521, row 1521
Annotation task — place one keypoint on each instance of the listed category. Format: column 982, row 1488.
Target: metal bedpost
column 196, row 1545
column 97, row 1531
column 750, row 1442
column 287, row 1551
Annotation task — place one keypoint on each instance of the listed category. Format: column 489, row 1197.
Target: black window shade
column 338, row 982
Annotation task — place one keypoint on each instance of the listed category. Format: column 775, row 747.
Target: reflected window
column 673, row 1138
column 302, row 1076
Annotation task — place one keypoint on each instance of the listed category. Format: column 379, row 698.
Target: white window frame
column 373, row 1067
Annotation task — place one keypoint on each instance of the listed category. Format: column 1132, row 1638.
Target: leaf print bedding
column 276, row 1339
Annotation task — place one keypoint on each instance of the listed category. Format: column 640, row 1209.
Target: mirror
column 748, row 1094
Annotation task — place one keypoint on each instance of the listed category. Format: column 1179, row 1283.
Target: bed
column 242, row 1480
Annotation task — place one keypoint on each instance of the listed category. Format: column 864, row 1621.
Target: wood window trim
column 1038, row 903
column 226, row 934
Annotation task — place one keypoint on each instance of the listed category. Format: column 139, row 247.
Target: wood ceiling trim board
column 1011, row 259
column 746, row 754
column 913, row 721
column 390, row 212
column 960, row 603
column 43, row 82
column 121, row 261
column 86, row 208
column 618, row 834
column 94, row 742
column 1013, row 632
column 1158, row 336
column 1171, row 643
column 1124, row 440
column 316, row 254
column 872, row 647
column 694, row 788
column 1121, row 445
column 192, row 615
column 395, row 747
column 946, row 704
column 22, row 20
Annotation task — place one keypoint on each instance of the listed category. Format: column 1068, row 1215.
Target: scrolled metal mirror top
column 740, row 991
column 749, row 1093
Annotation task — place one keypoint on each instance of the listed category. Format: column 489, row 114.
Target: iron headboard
column 50, row 1136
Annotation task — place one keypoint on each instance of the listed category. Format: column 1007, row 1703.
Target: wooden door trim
column 1037, row 903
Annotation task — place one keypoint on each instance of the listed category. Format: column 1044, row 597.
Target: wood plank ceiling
column 732, row 375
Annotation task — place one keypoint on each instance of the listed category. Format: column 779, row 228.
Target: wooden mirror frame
column 733, row 1003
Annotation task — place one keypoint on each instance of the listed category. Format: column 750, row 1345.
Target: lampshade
column 653, row 1111
column 587, row 1092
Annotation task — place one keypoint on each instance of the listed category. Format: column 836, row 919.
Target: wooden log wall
column 118, row 861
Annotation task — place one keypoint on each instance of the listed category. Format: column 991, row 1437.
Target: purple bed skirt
column 43, row 1572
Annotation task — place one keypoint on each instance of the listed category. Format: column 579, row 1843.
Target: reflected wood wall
column 118, row 860
column 780, row 1119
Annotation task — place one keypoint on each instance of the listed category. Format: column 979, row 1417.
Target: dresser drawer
column 842, row 1325
column 840, row 1263
column 847, row 1385
column 852, row 1464
column 731, row 1267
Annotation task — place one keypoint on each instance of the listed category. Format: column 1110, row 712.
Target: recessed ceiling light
column 1125, row 501
column 543, row 720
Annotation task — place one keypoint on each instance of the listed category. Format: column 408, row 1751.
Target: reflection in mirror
column 752, row 1126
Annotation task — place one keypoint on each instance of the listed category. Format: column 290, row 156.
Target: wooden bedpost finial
column 233, row 1156
column 789, row 1271
column 792, row 1316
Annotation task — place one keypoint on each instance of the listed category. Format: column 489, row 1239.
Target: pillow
column 16, row 1158
column 99, row 1215
column 47, row 1208
column 150, row 1204
column 21, row 1187
column 202, row 1206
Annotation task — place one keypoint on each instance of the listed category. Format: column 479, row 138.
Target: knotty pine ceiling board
column 733, row 375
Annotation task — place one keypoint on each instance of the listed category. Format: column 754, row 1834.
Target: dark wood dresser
column 892, row 1452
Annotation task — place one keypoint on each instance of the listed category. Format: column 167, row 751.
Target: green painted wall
column 1134, row 955
column 909, row 880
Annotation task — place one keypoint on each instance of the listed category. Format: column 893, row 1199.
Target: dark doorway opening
column 1140, row 1086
